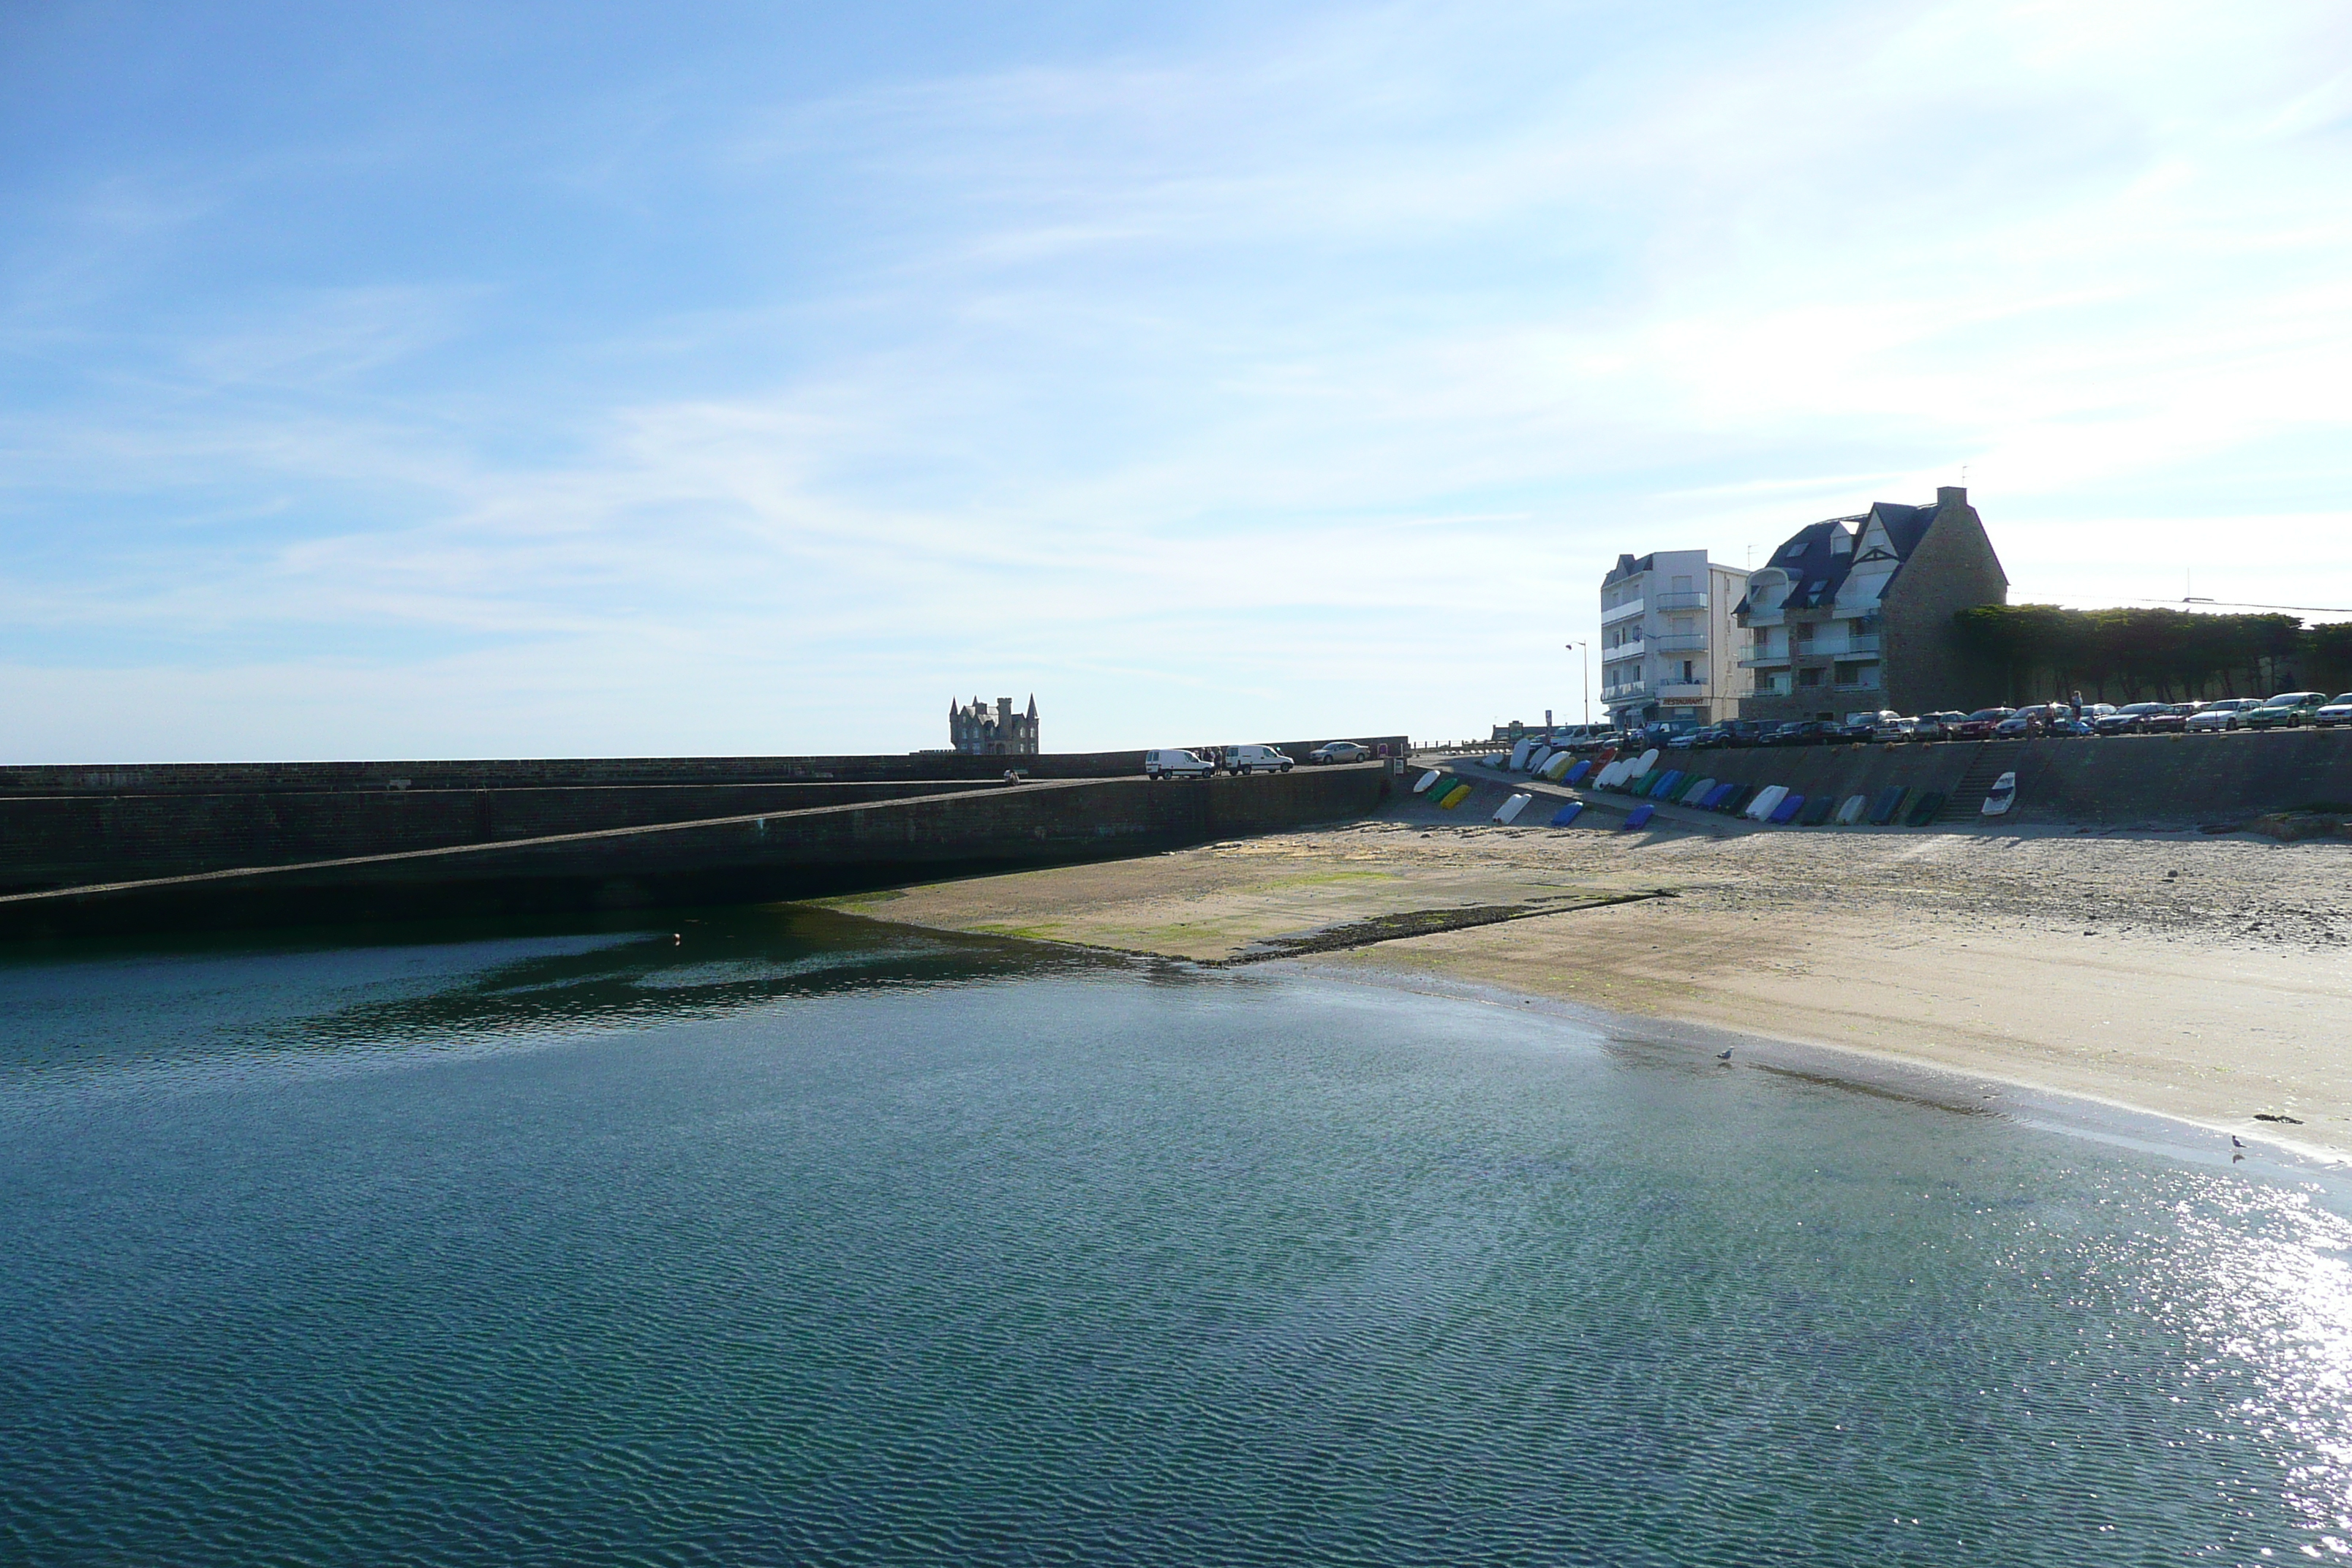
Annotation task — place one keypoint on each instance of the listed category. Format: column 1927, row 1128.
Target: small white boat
column 1426, row 779
column 2000, row 797
column 1509, row 812
column 1765, row 802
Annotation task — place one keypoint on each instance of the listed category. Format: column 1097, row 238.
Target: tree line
column 2140, row 655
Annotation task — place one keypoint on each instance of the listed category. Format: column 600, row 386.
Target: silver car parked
column 2228, row 713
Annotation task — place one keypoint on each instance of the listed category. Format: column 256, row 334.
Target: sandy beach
column 2203, row 978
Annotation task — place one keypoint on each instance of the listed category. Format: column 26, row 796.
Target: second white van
column 1255, row 760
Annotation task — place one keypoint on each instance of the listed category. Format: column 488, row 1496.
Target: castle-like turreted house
column 1003, row 733
column 1856, row 612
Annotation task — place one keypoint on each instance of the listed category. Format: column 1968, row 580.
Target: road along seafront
column 2202, row 977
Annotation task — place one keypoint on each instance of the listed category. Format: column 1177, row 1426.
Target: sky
column 517, row 380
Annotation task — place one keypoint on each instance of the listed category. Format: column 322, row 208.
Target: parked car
column 1730, row 732
column 1339, row 751
column 2027, row 722
column 2067, row 724
column 2173, row 721
column 1801, row 733
column 1266, row 760
column 1935, row 726
column 2337, row 712
column 1174, row 764
column 2126, row 721
column 1863, row 726
column 2286, row 711
column 1980, row 724
column 1893, row 727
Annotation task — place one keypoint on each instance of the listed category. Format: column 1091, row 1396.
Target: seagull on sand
column 1724, row 1055
column 2233, row 1141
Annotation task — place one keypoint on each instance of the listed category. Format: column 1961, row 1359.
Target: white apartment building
column 1669, row 648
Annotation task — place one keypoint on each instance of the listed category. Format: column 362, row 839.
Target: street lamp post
column 1587, row 652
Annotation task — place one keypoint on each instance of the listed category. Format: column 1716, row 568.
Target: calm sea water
column 802, row 1242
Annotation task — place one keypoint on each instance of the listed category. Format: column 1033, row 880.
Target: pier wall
column 67, row 827
column 736, row 858
column 68, row 840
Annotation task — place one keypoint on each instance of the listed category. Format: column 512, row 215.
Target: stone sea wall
column 764, row 855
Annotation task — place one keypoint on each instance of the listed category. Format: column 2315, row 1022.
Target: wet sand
column 2203, row 978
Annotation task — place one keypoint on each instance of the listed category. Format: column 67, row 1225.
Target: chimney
column 1951, row 495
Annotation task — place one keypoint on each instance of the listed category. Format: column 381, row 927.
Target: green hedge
column 2169, row 655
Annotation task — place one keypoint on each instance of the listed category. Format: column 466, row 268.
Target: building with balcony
column 1855, row 613
column 1669, row 648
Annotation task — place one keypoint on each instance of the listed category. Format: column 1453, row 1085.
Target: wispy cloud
column 1195, row 384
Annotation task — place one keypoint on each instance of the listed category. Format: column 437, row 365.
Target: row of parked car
column 1169, row 762
column 2288, row 709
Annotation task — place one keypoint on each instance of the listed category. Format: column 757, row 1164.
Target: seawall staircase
column 1993, row 759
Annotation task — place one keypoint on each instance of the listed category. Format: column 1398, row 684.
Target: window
column 1809, row 677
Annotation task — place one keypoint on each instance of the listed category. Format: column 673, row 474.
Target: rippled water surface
column 800, row 1241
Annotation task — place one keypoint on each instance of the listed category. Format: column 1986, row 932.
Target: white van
column 1176, row 766
column 1255, row 760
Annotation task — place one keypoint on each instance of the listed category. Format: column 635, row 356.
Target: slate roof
column 1816, row 569
column 1628, row 567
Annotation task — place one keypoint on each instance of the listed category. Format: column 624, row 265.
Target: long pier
column 92, row 850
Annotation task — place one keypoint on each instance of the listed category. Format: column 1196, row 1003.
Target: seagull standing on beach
column 1724, row 1055
column 2233, row 1141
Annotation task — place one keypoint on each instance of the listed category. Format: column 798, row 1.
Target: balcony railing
column 1670, row 690
column 1625, row 611
column 1680, row 601
column 1680, row 642
column 1623, row 693
column 1758, row 661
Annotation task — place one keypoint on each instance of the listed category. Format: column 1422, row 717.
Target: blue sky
column 510, row 380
